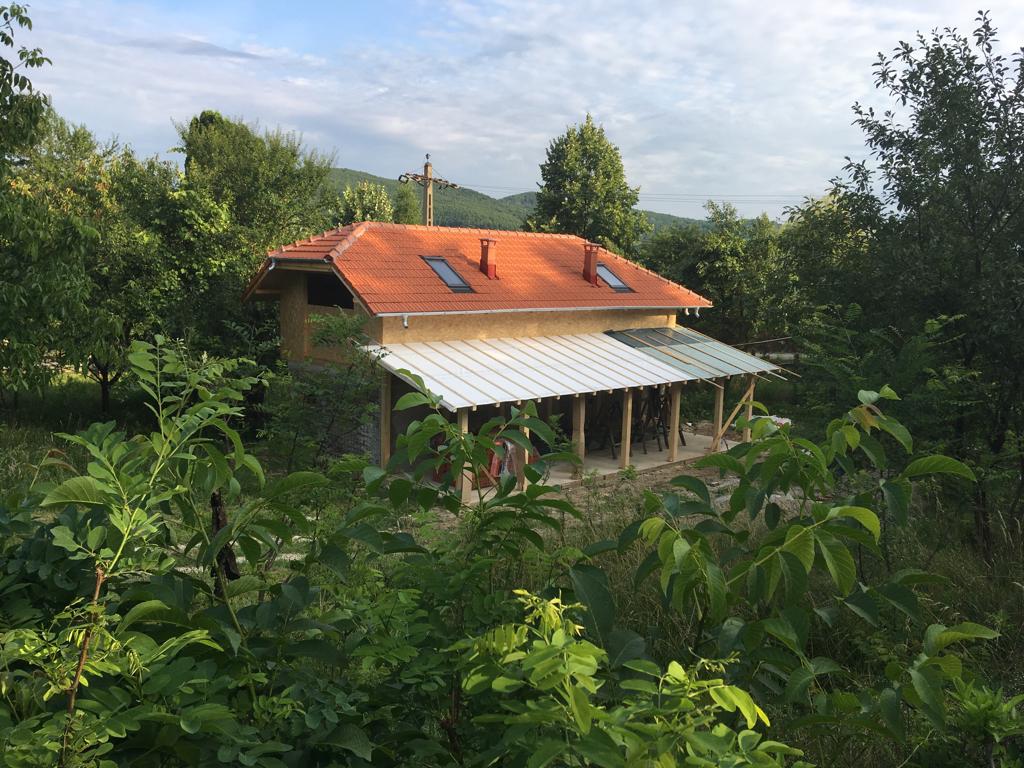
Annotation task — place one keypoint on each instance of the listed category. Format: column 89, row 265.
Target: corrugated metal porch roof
column 694, row 353
column 473, row 372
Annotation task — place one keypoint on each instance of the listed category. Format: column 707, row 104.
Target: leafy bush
column 313, row 409
column 805, row 571
column 656, row 717
column 172, row 604
column 133, row 632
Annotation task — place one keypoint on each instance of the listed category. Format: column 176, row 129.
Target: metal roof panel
column 690, row 350
column 471, row 372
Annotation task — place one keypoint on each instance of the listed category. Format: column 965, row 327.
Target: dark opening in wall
column 326, row 290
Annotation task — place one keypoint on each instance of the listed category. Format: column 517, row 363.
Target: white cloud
column 732, row 98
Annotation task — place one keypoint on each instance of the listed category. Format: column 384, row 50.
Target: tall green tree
column 21, row 106
column 584, row 191
column 737, row 263
column 407, row 206
column 366, row 202
column 933, row 222
column 68, row 172
column 147, row 257
column 249, row 191
column 676, row 252
column 829, row 243
column 276, row 187
column 949, row 180
column 41, row 249
column 745, row 273
column 943, row 200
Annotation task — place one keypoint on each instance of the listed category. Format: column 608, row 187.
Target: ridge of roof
column 441, row 228
column 356, row 231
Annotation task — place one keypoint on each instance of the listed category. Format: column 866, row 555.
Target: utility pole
column 427, row 180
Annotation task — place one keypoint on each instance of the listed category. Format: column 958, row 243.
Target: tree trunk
column 83, row 655
column 105, row 394
column 226, row 563
column 102, row 375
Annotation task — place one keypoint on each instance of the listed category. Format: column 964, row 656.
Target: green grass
column 28, row 427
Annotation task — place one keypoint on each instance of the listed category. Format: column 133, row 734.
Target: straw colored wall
column 504, row 324
column 293, row 316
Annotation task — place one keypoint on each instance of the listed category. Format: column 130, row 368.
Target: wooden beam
column 673, row 421
column 750, row 408
column 579, row 437
column 464, row 480
column 385, row 419
column 721, row 430
column 719, row 408
column 627, row 428
column 522, row 459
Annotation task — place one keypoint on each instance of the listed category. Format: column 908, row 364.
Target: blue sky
column 735, row 100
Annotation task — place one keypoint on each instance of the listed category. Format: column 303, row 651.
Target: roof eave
column 617, row 307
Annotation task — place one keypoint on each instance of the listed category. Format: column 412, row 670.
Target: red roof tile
column 383, row 265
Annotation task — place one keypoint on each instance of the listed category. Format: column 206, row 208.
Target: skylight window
column 612, row 279
column 447, row 273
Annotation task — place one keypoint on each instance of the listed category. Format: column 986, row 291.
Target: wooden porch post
column 719, row 413
column 579, row 417
column 464, row 481
column 627, row 428
column 385, row 419
column 522, row 459
column 673, row 421
column 750, row 407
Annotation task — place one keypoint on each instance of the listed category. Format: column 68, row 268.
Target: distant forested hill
column 468, row 208
column 452, row 207
column 524, row 202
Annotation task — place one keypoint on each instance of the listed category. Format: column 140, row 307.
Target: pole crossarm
column 423, row 180
column 427, row 180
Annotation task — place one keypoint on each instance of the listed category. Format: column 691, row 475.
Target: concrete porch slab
column 602, row 463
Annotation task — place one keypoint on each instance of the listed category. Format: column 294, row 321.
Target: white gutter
column 532, row 309
column 294, row 260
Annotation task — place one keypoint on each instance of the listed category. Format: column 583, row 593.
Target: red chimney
column 590, row 262
column 489, row 257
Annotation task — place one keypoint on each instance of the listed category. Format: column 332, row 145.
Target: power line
column 746, row 197
column 712, row 195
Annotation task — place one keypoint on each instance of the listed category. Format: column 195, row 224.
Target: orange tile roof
column 383, row 265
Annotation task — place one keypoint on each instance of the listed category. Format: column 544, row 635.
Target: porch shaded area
column 616, row 395
column 600, row 461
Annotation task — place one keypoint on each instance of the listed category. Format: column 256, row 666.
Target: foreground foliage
column 134, row 631
column 171, row 603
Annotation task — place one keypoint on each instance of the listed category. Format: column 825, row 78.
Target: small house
column 488, row 318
